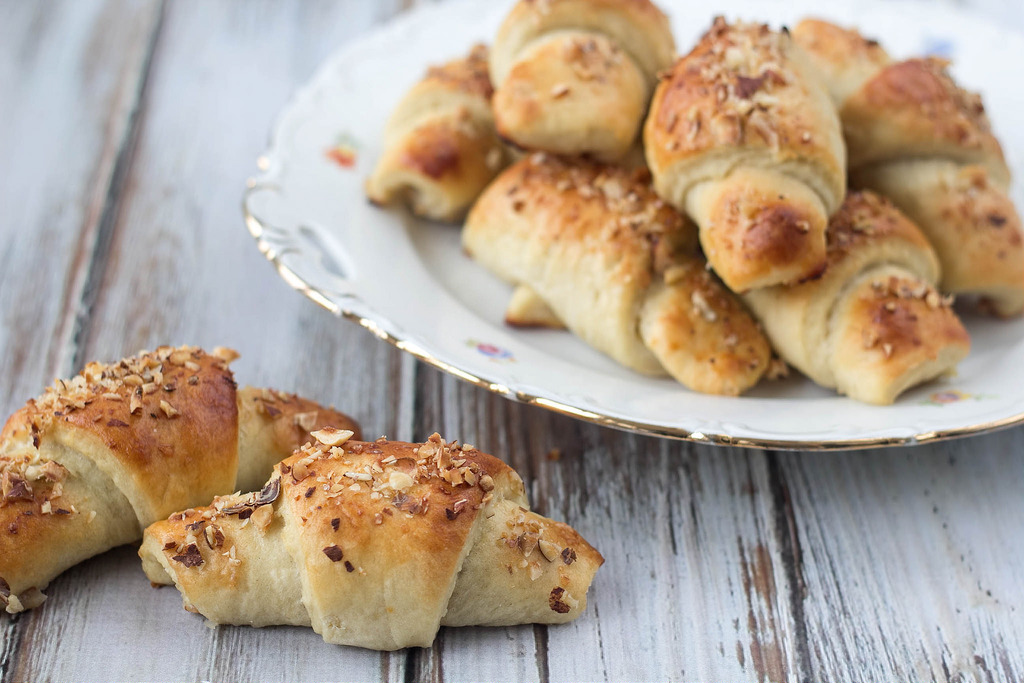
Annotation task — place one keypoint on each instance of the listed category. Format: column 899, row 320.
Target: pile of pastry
column 376, row 544
column 791, row 192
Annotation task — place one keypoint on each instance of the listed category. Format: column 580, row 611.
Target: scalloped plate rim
column 354, row 307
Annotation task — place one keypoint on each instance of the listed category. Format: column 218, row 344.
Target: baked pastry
column 873, row 324
column 376, row 545
column 527, row 309
column 575, row 76
column 440, row 145
column 86, row 466
column 619, row 267
column 918, row 138
column 743, row 137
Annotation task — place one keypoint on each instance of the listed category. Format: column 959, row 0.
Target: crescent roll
column 95, row 459
column 744, row 138
column 620, row 268
column 914, row 135
column 440, row 145
column 575, row 76
column 377, row 545
column 873, row 324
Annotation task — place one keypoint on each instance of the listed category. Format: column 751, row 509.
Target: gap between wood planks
column 88, row 270
column 791, row 556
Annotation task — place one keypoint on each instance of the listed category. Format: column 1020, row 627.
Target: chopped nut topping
column 179, row 357
column 225, row 354
column 487, row 482
column 329, row 436
column 568, row 555
column 300, row 470
column 214, row 536
column 168, row 409
column 399, row 480
column 191, row 557
column 306, row 421
column 560, row 90
column 262, row 516
column 549, row 550
column 14, row 487
column 702, row 306
column 556, row 602
column 267, row 495
column 135, row 402
column 528, row 542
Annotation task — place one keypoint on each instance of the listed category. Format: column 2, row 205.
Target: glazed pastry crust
column 745, row 99
column 914, row 109
column 376, row 545
column 873, row 323
column 575, row 76
column 619, row 267
column 440, row 145
column 917, row 137
column 87, row 465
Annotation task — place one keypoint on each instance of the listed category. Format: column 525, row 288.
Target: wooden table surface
column 127, row 130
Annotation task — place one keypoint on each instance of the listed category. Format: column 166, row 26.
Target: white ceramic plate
column 408, row 282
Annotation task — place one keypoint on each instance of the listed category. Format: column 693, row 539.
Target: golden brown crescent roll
column 95, row 459
column 575, row 76
column 743, row 137
column 872, row 325
column 376, row 545
column 918, row 138
column 440, row 145
column 619, row 267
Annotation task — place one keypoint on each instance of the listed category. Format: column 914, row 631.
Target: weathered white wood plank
column 912, row 560
column 69, row 76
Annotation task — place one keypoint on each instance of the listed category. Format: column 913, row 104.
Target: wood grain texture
column 123, row 231
column 687, row 532
column 923, row 582
column 70, row 78
column 58, row 173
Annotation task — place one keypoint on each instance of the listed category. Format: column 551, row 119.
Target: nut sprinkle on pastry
column 376, row 544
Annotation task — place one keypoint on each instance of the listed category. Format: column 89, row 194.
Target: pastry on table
column 873, row 324
column 94, row 460
column 619, row 267
column 376, row 545
column 743, row 136
column 440, row 145
column 914, row 135
column 575, row 76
